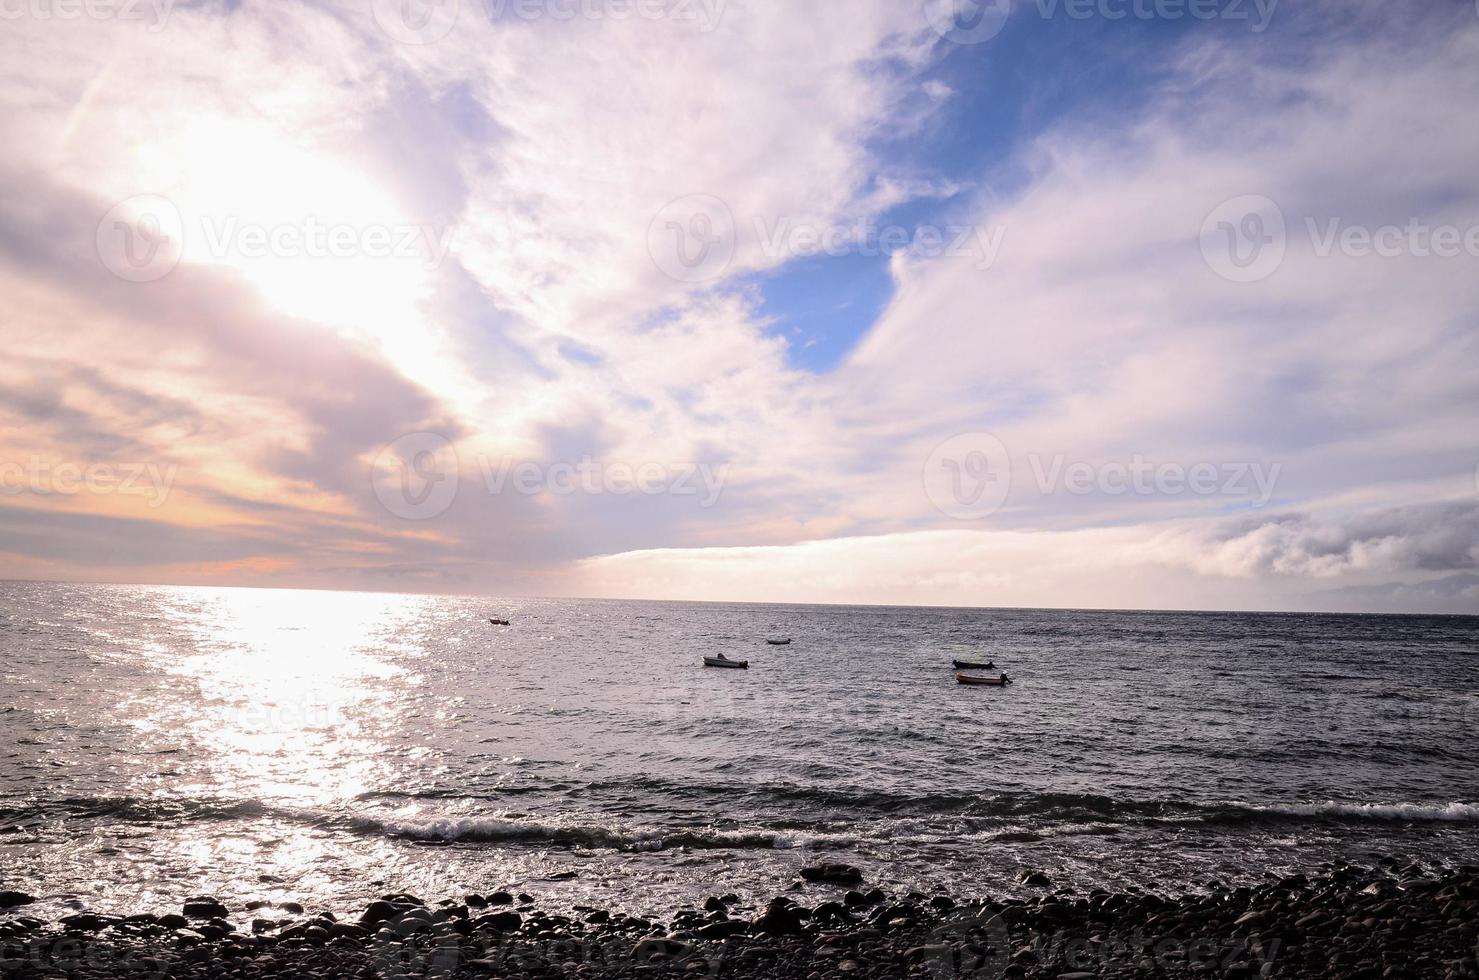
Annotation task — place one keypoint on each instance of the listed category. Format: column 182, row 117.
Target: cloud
column 547, row 151
column 1277, row 562
column 1434, row 538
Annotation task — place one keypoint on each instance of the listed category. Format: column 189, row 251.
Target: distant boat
column 500, row 622
column 780, row 643
column 1001, row 681
column 973, row 665
column 723, row 661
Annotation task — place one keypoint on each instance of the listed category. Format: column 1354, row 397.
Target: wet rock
column 836, row 874
column 723, row 930
column 88, row 922
column 657, row 948
column 376, row 913
column 500, row 921
column 291, row 908
column 781, row 918
column 1035, row 879
column 204, row 908
column 12, row 900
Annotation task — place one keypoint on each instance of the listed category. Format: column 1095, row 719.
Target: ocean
column 326, row 748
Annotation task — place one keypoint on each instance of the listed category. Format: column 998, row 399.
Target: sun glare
column 318, row 239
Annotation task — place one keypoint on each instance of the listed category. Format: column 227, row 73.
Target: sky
column 1089, row 303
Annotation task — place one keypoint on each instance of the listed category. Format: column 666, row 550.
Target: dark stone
column 291, row 908
column 781, row 918
column 723, row 930
column 204, row 908
column 376, row 913
column 1035, row 879
column 88, row 922
column 837, row 874
column 11, row 900
column 500, row 921
column 499, row 898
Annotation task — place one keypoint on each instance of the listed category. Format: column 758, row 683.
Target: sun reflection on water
column 293, row 693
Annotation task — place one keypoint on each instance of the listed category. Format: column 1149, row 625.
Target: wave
column 573, row 834
column 1025, row 813
column 1405, row 812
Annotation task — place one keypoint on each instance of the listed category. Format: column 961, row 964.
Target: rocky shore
column 1356, row 923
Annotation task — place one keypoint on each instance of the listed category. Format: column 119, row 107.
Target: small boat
column 723, row 661
column 500, row 622
column 780, row 643
column 1001, row 681
column 973, row 665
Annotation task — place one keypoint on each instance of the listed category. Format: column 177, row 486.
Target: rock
column 499, row 898
column 723, row 930
column 500, row 921
column 291, row 908
column 1035, row 879
column 12, row 900
column 564, row 875
column 781, row 918
column 658, row 948
column 836, row 874
column 832, row 913
column 376, row 913
column 173, row 921
column 713, row 904
column 598, row 917
column 204, row 908
column 88, row 922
